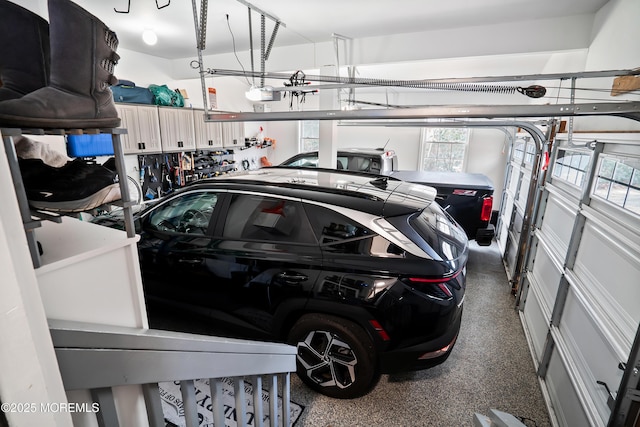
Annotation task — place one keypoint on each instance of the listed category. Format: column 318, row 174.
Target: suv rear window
column 435, row 227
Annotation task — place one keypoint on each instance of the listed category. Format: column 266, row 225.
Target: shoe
column 78, row 186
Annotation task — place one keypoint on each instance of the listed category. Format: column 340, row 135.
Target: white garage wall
column 614, row 46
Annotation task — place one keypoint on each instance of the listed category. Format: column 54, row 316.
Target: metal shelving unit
column 32, row 219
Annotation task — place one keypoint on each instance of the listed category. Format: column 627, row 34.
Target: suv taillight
column 436, row 288
column 487, row 205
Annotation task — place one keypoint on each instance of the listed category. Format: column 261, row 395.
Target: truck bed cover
column 475, row 181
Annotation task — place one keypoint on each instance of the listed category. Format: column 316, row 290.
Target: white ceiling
column 310, row 21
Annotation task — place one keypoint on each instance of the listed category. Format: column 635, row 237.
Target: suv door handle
column 291, row 277
column 189, row 261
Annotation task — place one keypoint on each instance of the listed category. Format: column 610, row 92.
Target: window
column 530, row 154
column 518, row 149
column 443, row 149
column 571, row 166
column 339, row 234
column 190, row 214
column 253, row 217
column 618, row 181
column 309, row 135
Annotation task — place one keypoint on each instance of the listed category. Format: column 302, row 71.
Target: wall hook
column 123, row 11
column 129, row 7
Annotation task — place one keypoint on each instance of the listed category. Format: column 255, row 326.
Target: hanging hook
column 129, row 7
column 123, row 11
column 162, row 7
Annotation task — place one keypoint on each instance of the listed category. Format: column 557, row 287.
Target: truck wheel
column 335, row 357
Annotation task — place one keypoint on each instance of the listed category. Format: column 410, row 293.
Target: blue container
column 89, row 145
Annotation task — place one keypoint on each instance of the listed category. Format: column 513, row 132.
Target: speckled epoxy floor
column 490, row 367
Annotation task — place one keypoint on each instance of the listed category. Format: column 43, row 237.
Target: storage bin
column 89, row 145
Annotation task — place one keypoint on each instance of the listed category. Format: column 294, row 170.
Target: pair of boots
column 56, row 74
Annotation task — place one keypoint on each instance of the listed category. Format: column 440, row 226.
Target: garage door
column 514, row 200
column 580, row 296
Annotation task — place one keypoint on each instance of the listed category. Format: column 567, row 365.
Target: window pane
column 444, row 151
column 617, row 194
column 606, row 168
column 337, row 233
column 623, row 173
column 602, row 188
column 518, row 152
column 447, row 134
column 633, row 201
column 443, row 165
column 457, row 152
column 190, row 213
column 430, row 150
column 267, row 219
column 310, row 128
column 430, row 164
column 310, row 144
column 456, row 165
column 635, row 181
column 557, row 170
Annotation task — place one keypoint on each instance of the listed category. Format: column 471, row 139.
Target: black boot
column 83, row 55
column 24, row 51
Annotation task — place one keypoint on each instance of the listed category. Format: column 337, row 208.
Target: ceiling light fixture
column 149, row 37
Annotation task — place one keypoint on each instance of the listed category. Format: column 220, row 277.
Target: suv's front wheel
column 336, row 357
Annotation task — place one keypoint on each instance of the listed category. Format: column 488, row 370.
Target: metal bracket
column 611, row 400
column 129, row 7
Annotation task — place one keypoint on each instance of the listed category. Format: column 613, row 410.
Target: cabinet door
column 186, row 132
column 208, row 134
column 232, row 134
column 214, row 130
column 200, row 129
column 168, row 130
column 176, row 129
column 149, row 128
column 129, row 120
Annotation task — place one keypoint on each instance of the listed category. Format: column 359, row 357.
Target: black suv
column 365, row 274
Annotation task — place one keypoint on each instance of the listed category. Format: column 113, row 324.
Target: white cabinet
column 72, row 282
column 141, row 122
column 233, row 134
column 208, row 134
column 176, row 129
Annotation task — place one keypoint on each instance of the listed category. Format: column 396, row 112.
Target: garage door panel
column 536, row 321
column 511, row 250
column 590, row 350
column 557, row 224
column 610, row 272
column 514, row 179
column 547, row 274
column 523, row 192
column 566, row 404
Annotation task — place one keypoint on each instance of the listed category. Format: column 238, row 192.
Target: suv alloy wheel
column 335, row 356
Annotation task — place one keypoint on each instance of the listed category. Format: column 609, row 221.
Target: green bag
column 164, row 96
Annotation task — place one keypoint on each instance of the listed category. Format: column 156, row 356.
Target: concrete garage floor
column 490, row 368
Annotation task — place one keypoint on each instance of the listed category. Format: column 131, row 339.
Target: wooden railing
column 97, row 358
